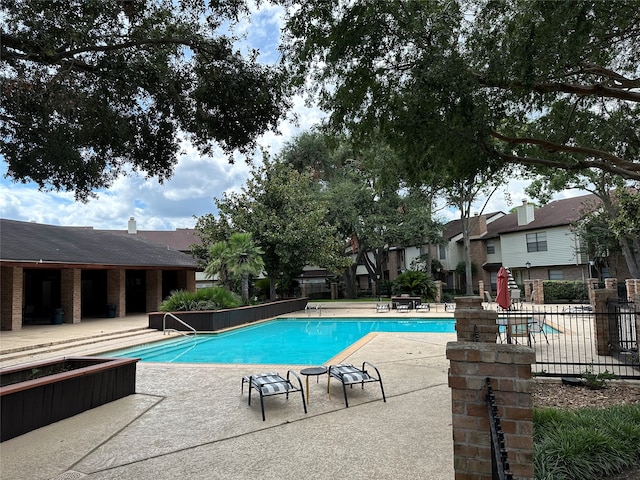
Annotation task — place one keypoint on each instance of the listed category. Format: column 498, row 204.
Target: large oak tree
column 480, row 83
column 91, row 88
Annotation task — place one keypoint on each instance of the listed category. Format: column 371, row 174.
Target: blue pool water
column 282, row 341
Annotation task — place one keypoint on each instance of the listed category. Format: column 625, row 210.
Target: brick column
column 481, row 289
column 611, row 283
column 509, row 368
column 11, row 295
column 633, row 288
column 71, row 294
column 538, row 291
column 469, row 313
column 601, row 318
column 117, row 290
column 154, row 290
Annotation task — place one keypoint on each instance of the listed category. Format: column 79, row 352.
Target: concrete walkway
column 190, row 421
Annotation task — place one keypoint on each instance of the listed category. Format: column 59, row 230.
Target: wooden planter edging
column 212, row 320
column 88, row 382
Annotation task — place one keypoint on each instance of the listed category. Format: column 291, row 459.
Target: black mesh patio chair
column 350, row 375
column 268, row 384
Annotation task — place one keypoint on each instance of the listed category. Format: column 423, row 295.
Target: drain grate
column 70, row 475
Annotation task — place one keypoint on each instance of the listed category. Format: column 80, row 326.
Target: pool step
column 83, row 345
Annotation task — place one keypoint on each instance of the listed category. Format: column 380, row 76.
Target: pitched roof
column 180, row 239
column 33, row 242
column 554, row 214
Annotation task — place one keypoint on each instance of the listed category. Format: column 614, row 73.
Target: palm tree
column 239, row 258
column 218, row 263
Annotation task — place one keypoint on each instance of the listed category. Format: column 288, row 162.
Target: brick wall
column 509, row 368
column 471, row 318
column 11, row 279
column 117, row 290
column 71, row 294
column 154, row 290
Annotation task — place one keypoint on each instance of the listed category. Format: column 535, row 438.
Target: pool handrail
column 165, row 330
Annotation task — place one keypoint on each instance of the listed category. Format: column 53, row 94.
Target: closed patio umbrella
column 502, row 298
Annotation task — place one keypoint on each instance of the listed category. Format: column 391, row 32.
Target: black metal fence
column 499, row 458
column 565, row 339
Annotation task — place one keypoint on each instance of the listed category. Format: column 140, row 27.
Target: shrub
column 564, row 290
column 587, row 443
column 213, row 298
column 416, row 283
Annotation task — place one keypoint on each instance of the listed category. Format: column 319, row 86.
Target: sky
column 197, row 180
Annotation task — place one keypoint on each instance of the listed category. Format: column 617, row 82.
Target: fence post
column 469, row 314
column 509, row 368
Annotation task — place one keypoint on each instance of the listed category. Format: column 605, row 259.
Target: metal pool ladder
column 169, row 330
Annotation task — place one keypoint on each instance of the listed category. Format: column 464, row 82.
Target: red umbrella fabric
column 502, row 298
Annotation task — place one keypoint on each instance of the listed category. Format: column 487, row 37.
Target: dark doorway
column 94, row 293
column 169, row 282
column 41, row 295
column 136, row 291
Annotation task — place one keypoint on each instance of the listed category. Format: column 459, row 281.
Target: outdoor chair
column 350, row 375
column 382, row 307
column 268, row 384
column 423, row 307
column 537, row 326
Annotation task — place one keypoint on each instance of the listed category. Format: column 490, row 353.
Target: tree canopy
column 280, row 207
column 92, row 88
column 476, row 84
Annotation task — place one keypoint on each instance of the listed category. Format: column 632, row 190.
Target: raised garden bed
column 37, row 394
column 212, row 320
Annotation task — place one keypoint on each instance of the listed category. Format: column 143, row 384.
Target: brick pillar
column 611, row 283
column 11, row 295
column 481, row 289
column 633, row 288
column 538, row 291
column 592, row 284
column 117, row 290
column 71, row 294
column 509, row 368
column 601, row 297
column 154, row 290
column 469, row 313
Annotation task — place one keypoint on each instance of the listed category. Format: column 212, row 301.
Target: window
column 555, row 275
column 491, row 248
column 443, row 252
column 537, row 242
column 494, row 281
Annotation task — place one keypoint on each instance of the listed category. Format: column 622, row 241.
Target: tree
column 367, row 200
column 530, row 83
column 280, row 208
column 238, row 258
column 244, row 259
column 92, row 88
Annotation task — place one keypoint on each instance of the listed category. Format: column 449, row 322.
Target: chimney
column 133, row 229
column 525, row 213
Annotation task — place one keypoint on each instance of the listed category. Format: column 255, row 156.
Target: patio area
column 191, row 421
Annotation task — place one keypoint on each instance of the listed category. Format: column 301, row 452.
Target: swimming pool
column 280, row 341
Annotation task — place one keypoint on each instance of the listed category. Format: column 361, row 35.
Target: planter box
column 37, row 394
column 212, row 320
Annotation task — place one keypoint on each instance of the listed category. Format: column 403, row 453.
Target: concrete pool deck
column 191, row 421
